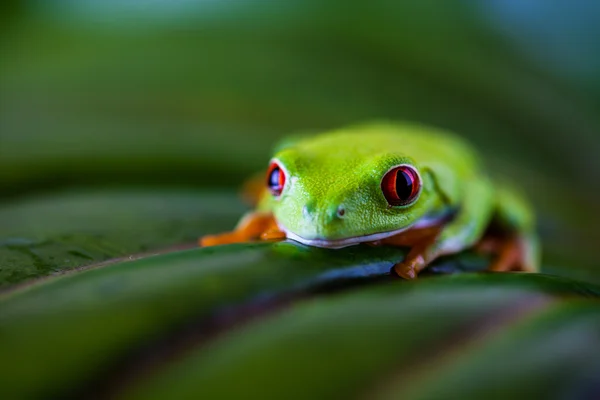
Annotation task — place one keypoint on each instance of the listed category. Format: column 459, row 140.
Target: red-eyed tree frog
column 389, row 184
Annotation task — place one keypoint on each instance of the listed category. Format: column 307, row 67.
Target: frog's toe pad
column 216, row 240
column 405, row 271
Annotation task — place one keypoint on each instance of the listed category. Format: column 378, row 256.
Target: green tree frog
column 389, row 184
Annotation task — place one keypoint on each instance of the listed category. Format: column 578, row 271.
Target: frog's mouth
column 344, row 242
column 424, row 222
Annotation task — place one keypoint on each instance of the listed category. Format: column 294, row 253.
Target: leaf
column 92, row 317
column 56, row 233
column 103, row 323
column 387, row 342
column 551, row 354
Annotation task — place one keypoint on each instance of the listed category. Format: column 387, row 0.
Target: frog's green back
column 349, row 147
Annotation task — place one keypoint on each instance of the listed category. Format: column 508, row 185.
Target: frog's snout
column 323, row 217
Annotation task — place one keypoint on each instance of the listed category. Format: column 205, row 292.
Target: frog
column 390, row 184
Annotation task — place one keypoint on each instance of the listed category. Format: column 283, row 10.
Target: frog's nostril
column 307, row 211
column 325, row 214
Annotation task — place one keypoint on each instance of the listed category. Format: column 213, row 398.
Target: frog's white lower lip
column 340, row 243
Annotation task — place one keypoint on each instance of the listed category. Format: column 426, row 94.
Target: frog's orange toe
column 405, row 271
column 273, row 235
column 207, row 241
column 216, row 240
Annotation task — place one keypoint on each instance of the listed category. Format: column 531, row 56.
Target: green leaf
column 380, row 341
column 95, row 318
column 56, row 233
column 552, row 354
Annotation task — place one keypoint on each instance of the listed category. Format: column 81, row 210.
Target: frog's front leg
column 466, row 229
column 253, row 226
column 419, row 240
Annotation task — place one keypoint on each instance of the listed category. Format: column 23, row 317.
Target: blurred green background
column 126, row 126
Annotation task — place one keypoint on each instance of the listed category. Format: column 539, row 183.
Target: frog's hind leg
column 515, row 253
column 254, row 226
column 518, row 248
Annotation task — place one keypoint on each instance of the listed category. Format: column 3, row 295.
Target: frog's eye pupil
column 404, row 184
column 401, row 185
column 275, row 179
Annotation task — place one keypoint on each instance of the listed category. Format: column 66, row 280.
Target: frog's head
column 339, row 198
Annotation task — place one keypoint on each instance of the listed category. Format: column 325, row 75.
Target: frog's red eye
column 275, row 179
column 401, row 185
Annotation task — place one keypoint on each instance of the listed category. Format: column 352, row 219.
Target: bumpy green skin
column 344, row 168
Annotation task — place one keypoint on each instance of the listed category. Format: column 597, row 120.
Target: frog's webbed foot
column 419, row 257
column 254, row 226
column 410, row 268
column 420, row 254
column 273, row 234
